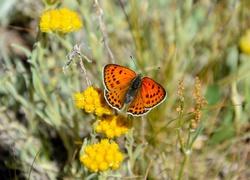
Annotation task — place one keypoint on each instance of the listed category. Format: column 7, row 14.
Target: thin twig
column 77, row 51
column 85, row 72
column 99, row 12
column 127, row 19
column 33, row 163
column 150, row 164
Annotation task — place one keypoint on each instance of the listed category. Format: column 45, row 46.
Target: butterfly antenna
column 157, row 68
column 131, row 57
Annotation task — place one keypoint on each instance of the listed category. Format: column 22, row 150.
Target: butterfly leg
column 116, row 112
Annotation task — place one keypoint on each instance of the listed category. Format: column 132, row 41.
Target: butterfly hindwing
column 152, row 93
column 136, row 107
column 117, row 80
column 115, row 77
column 116, row 98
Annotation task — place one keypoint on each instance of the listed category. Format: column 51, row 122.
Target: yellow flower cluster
column 113, row 126
column 244, row 42
column 92, row 101
column 101, row 156
column 62, row 20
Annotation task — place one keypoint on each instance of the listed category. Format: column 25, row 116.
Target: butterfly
column 124, row 87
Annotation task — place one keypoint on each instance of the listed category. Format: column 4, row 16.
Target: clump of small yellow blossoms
column 62, row 20
column 113, row 126
column 101, row 156
column 244, row 42
column 92, row 101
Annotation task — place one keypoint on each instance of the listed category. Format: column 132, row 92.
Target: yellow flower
column 45, row 22
column 113, row 126
column 79, row 100
column 116, row 166
column 88, row 149
column 89, row 108
column 86, row 160
column 62, row 20
column 103, row 166
column 92, row 101
column 101, row 156
column 118, row 156
column 110, row 133
column 118, row 132
column 93, row 167
column 113, row 146
column 99, row 111
column 244, row 42
column 55, row 20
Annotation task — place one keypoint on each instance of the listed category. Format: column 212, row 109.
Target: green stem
column 103, row 175
column 181, row 142
column 129, row 147
column 182, row 166
column 65, row 43
column 179, row 128
column 185, row 152
column 188, row 140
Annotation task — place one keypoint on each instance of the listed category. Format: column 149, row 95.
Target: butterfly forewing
column 152, row 93
column 115, row 77
column 117, row 80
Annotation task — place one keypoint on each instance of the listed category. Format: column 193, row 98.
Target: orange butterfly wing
column 116, row 99
column 117, row 80
column 136, row 107
column 149, row 95
column 152, row 93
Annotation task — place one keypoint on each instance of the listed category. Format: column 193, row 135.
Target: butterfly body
column 135, row 85
column 124, row 86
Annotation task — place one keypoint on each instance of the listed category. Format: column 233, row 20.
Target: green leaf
column 213, row 94
column 138, row 151
column 23, row 49
column 129, row 136
column 53, row 115
column 232, row 59
column 38, row 85
column 225, row 131
column 198, row 132
column 12, row 90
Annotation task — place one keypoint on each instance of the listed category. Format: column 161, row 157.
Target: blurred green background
column 40, row 126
